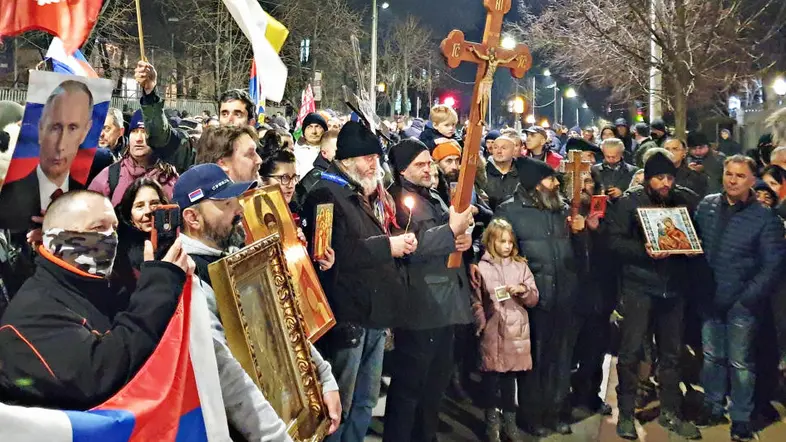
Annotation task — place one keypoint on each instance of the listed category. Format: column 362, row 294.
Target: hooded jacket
column 429, row 135
column 69, row 335
column 499, row 187
column 505, row 340
column 246, row 406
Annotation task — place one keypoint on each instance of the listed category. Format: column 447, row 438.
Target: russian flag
column 63, row 63
column 174, row 397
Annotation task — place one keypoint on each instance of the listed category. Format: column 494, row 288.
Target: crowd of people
column 530, row 309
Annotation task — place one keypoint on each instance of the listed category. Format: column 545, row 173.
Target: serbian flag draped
column 276, row 34
column 71, row 20
column 256, row 93
column 63, row 63
column 174, row 397
column 307, row 106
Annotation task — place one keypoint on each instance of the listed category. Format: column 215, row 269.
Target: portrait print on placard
column 58, row 138
column 670, row 230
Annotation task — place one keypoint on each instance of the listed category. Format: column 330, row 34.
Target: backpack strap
column 114, row 178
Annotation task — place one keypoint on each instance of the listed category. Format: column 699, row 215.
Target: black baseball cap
column 207, row 182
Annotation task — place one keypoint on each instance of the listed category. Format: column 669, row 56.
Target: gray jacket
column 246, row 406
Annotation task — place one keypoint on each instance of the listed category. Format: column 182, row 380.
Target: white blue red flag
column 71, row 20
column 255, row 89
column 63, row 63
column 174, row 397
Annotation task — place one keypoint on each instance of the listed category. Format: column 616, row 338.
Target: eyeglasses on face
column 286, row 179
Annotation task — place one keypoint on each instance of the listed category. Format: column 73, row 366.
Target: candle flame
column 409, row 202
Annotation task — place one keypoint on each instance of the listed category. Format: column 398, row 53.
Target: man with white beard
column 364, row 287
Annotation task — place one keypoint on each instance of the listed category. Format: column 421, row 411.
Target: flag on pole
column 71, row 20
column 63, row 63
column 307, row 106
column 254, row 22
column 174, row 397
column 276, row 34
column 256, row 93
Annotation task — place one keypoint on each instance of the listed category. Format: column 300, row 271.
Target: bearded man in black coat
column 543, row 228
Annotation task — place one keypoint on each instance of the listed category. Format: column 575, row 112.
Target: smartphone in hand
column 166, row 228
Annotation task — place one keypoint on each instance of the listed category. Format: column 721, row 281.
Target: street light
column 545, row 123
column 508, row 42
column 518, row 105
column 374, row 26
column 570, row 93
column 585, row 105
column 530, row 119
column 779, row 86
column 381, row 87
column 546, row 72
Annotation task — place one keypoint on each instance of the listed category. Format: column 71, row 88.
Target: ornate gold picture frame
column 264, row 331
column 266, row 212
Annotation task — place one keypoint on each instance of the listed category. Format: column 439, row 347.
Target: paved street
column 461, row 423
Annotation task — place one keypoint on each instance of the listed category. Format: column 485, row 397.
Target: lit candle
column 409, row 202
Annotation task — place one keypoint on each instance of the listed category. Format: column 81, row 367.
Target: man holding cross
column 543, row 226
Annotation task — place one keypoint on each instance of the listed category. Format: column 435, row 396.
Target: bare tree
column 708, row 48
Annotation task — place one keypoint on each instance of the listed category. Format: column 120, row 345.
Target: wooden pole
column 139, row 29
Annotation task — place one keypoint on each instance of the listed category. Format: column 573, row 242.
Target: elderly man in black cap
column 364, row 287
column 307, row 147
column 540, row 219
column 654, row 285
column 658, row 132
column 423, row 358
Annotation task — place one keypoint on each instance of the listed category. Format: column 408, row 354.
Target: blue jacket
column 744, row 246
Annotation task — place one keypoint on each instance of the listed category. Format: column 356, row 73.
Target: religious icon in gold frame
column 670, row 229
column 266, row 212
column 265, row 333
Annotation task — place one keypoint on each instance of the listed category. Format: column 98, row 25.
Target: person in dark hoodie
column 658, row 132
column 64, row 340
column 686, row 176
column 745, row 247
column 443, row 121
column 727, row 145
column 623, row 133
column 423, row 359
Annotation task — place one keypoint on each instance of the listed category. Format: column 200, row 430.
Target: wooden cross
column 489, row 56
column 575, row 169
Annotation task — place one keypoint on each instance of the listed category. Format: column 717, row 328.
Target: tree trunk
column 405, row 93
column 680, row 114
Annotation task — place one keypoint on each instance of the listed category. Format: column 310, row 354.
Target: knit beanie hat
column 402, row 154
column 659, row 164
column 658, row 124
column 355, row 140
column 315, row 118
column 444, row 150
column 532, row 171
column 493, row 135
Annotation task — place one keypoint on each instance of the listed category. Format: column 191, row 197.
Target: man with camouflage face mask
column 67, row 340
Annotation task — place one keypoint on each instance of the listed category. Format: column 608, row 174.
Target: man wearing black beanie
column 438, row 298
column 307, row 147
column 364, row 287
column 539, row 216
column 654, row 286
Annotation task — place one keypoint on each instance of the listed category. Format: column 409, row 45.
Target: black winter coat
column 689, row 178
column 544, row 238
column 745, row 248
column 641, row 274
column 713, row 170
column 365, row 286
column 64, row 332
column 440, row 296
column 430, row 135
column 606, row 176
column 499, row 186
column 308, row 182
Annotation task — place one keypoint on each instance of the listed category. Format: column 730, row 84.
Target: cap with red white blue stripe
column 207, row 182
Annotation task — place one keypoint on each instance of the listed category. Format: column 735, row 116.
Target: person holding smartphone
column 613, row 175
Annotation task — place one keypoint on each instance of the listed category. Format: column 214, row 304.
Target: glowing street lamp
column 779, row 86
column 381, row 87
column 518, row 105
column 449, row 101
column 570, row 93
column 508, row 42
column 585, row 105
column 385, row 5
column 545, row 123
column 546, row 72
column 530, row 119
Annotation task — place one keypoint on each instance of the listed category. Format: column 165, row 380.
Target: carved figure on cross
column 484, row 91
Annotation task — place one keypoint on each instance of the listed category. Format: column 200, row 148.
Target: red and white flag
column 71, row 20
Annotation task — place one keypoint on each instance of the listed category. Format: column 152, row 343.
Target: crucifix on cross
column 575, row 170
column 489, row 56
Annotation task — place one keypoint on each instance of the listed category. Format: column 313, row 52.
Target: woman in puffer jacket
column 503, row 325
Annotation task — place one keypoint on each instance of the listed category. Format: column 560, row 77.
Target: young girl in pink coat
column 502, row 324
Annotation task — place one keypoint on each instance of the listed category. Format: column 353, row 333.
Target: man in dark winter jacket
column 364, row 287
column 686, row 177
column 66, row 339
column 727, row 145
column 653, row 287
column 539, row 216
column 613, row 175
column 423, row 357
column 623, row 133
column 641, row 133
column 745, row 247
column 502, row 176
column 659, row 132
column 704, row 160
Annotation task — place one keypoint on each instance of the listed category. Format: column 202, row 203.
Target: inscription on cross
column 489, row 56
column 575, row 170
